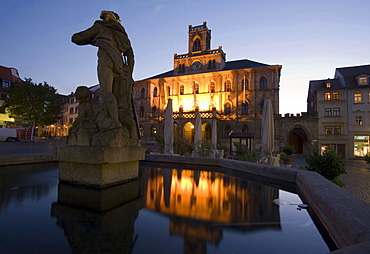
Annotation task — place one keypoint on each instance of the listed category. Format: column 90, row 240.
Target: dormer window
column 362, row 80
column 328, row 85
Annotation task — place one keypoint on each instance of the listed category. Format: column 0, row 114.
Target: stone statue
column 115, row 116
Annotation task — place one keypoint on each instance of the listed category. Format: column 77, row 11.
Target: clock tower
column 200, row 56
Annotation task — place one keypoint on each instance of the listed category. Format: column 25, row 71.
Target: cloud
column 158, row 8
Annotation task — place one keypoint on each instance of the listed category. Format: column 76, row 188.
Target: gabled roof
column 229, row 65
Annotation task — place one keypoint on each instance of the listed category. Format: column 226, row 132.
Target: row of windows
column 332, row 112
column 227, row 130
column 227, row 109
column 357, row 98
column 227, row 87
column 329, row 130
column 331, row 96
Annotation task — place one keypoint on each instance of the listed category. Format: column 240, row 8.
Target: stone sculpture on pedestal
column 103, row 146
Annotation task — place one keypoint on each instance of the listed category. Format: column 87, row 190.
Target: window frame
column 263, row 83
column 357, row 98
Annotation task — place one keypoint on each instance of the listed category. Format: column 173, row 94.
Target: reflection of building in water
column 200, row 203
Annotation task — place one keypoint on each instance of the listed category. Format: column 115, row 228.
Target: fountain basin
column 345, row 217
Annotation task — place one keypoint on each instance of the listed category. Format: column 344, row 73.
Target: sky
column 308, row 38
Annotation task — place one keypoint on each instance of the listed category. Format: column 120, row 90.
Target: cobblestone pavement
column 357, row 179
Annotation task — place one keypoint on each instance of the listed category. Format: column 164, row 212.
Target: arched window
column 196, row 45
column 154, row 111
column 212, row 64
column 261, row 106
column 263, row 83
column 245, row 129
column 168, row 90
column 245, row 108
column 155, row 92
column 181, row 68
column 227, row 131
column 227, row 108
column 228, row 86
column 141, row 130
column 245, row 84
column 212, row 87
column 181, row 89
column 142, row 93
column 196, row 88
column 141, row 112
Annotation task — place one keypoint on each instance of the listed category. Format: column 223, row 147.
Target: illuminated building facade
column 228, row 94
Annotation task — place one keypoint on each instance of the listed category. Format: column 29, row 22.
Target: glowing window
column 357, row 98
column 155, row 92
column 212, row 87
column 327, row 96
column 335, row 96
column 228, row 86
column 362, row 81
column 358, row 120
column 328, row 130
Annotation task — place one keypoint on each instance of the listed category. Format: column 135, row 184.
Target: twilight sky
column 308, row 38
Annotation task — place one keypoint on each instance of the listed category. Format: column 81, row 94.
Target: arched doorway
column 189, row 132
column 298, row 139
column 206, row 132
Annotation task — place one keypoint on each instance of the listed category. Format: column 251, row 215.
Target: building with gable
column 228, row 94
column 342, row 105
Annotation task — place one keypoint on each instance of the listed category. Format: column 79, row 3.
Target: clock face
column 197, row 65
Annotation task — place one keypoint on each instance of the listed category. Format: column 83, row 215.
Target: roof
column 349, row 75
column 322, row 84
column 229, row 65
column 6, row 74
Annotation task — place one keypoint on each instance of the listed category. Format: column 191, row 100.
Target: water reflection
column 22, row 183
column 98, row 221
column 200, row 204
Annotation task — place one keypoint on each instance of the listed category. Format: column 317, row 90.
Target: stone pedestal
column 98, row 167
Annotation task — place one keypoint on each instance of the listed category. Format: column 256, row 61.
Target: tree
column 328, row 164
column 39, row 103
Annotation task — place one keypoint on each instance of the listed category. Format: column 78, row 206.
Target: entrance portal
column 298, row 139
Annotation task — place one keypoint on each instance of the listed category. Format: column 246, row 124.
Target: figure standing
column 115, row 64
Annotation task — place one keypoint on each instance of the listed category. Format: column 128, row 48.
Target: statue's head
column 82, row 94
column 110, row 15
